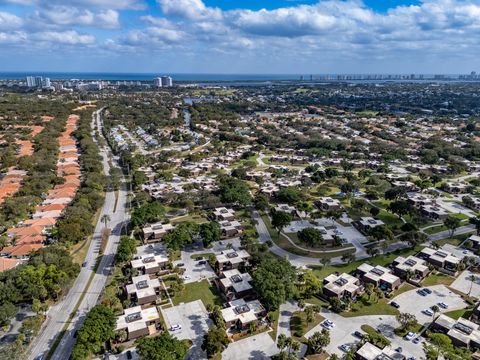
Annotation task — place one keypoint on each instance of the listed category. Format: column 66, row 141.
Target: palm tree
column 105, row 219
column 472, row 278
column 435, row 310
column 281, row 342
column 369, row 290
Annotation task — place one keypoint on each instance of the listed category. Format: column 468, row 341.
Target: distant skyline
column 240, row 36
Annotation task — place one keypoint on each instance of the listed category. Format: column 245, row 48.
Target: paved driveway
column 465, row 285
column 344, row 328
column 193, row 270
column 193, row 318
column 257, row 347
column 413, row 303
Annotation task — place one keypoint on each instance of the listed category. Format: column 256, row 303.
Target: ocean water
column 150, row 76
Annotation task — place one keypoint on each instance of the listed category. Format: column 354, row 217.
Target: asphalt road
column 446, row 234
column 58, row 314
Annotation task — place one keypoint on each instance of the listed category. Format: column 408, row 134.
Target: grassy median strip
column 74, row 311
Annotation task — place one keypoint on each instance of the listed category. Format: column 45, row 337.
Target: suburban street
column 58, row 315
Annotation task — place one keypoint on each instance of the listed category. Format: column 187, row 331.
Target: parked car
column 428, row 312
column 399, row 349
column 416, row 340
column 327, row 324
column 358, row 334
column 410, row 336
column 422, row 292
column 202, row 262
column 345, row 347
column 180, row 264
column 443, row 305
column 427, row 290
column 394, row 304
column 129, row 355
column 84, row 264
column 176, row 327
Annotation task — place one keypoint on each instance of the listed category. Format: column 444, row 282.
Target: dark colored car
column 129, row 355
column 202, row 262
column 395, row 305
column 428, row 291
column 358, row 334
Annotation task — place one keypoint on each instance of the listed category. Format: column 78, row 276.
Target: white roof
column 135, row 318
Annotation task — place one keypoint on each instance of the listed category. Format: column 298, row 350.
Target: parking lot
column 257, row 347
column 193, row 270
column 192, row 317
column 413, row 303
column 465, row 285
column 344, row 328
column 194, row 322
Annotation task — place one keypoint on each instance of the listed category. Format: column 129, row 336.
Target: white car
column 443, row 305
column 345, row 347
column 428, row 312
column 328, row 324
column 410, row 336
column 176, row 327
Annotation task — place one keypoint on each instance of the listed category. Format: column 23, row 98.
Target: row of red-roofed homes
column 30, row 235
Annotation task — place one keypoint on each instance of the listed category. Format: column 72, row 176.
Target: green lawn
column 383, row 260
column 286, row 245
column 205, row 256
column 364, row 306
column 202, row 290
column 438, row 279
column 299, row 326
column 435, row 229
column 457, row 314
column 389, row 218
column 273, row 316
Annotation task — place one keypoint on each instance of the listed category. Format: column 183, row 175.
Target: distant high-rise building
column 38, row 81
column 46, row 82
column 167, row 81
column 31, row 81
column 157, row 82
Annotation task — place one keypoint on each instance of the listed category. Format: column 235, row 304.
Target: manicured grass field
column 286, row 245
column 438, row 279
column 299, row 326
column 457, row 314
column 323, row 271
column 273, row 316
column 201, row 290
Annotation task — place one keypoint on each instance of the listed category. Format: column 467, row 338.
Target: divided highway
column 59, row 314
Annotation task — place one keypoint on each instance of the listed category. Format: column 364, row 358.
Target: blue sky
column 240, row 36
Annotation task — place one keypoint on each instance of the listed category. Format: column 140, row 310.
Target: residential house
column 150, row 264
column 379, row 276
column 241, row 313
column 138, row 321
column 222, row 214
column 341, row 286
column 365, row 224
column 328, row 204
column 415, row 267
column 155, row 232
column 230, row 228
column 234, row 284
column 440, row 258
column 433, row 212
column 368, row 351
column 230, row 259
column 462, row 332
column 143, row 290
